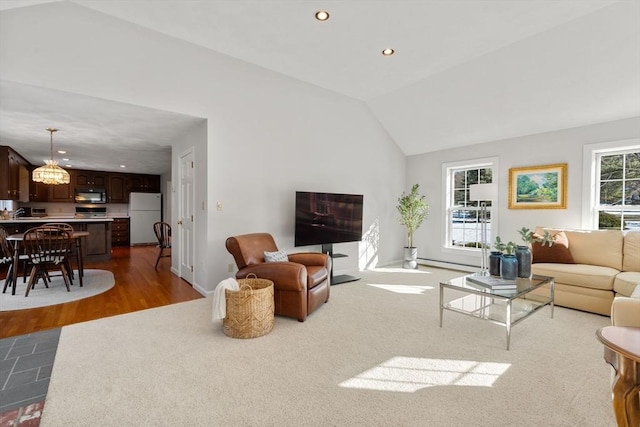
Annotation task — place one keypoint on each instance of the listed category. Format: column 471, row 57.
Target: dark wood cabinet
column 117, row 189
column 62, row 192
column 98, row 244
column 16, row 182
column 5, row 193
column 120, row 232
column 142, row 183
column 38, row 192
column 86, row 178
column 14, row 175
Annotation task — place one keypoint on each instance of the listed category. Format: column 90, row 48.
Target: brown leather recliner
column 300, row 285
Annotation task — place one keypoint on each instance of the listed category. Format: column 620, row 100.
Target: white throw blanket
column 219, row 299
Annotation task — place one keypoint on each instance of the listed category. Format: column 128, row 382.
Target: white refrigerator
column 144, row 211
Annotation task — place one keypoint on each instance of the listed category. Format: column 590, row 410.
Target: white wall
column 267, row 135
column 563, row 146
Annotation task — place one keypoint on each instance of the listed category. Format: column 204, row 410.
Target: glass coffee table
column 506, row 307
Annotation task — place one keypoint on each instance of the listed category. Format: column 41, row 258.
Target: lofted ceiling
column 464, row 71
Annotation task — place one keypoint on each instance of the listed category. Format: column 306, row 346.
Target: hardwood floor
column 138, row 286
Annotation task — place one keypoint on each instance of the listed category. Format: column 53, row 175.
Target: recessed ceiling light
column 123, row 166
column 65, row 159
column 388, row 52
column 68, row 166
column 62, row 152
column 322, row 15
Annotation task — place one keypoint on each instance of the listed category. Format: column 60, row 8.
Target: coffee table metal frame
column 506, row 307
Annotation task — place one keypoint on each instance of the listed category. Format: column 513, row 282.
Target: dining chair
column 163, row 234
column 47, row 247
column 74, row 250
column 7, row 256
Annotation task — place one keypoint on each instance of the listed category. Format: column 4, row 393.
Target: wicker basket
column 249, row 310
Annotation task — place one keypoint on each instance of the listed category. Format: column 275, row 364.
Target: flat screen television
column 323, row 218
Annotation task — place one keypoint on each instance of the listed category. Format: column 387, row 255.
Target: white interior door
column 185, row 216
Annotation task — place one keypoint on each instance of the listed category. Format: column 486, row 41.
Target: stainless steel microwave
column 90, row 195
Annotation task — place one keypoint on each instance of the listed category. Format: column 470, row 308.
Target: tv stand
column 327, row 248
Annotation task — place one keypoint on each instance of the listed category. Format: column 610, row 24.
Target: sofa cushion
column 558, row 252
column 626, row 282
column 631, row 251
column 625, row 312
column 586, row 276
column 597, row 247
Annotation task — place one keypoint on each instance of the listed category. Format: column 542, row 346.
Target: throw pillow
column 558, row 252
column 278, row 256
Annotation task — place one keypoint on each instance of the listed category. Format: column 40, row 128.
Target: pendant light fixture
column 51, row 173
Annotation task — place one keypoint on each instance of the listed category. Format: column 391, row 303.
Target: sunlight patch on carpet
column 410, row 374
column 402, row 289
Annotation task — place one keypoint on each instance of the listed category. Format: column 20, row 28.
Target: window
column 618, row 189
column 463, row 228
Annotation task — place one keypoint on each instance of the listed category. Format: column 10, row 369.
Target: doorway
column 185, row 215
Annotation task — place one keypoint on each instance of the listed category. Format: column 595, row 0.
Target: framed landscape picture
column 538, row 187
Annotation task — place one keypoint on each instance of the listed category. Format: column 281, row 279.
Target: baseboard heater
column 448, row 265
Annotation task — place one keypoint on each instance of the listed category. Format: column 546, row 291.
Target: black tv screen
column 323, row 218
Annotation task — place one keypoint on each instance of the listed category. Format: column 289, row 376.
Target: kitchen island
column 96, row 247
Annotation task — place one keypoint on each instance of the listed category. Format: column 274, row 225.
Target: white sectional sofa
column 590, row 267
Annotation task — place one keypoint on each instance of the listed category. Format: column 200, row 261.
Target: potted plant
column 413, row 210
column 508, row 262
column 523, row 252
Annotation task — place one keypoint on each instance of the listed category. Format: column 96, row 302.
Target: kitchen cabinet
column 117, row 189
column 120, row 232
column 98, row 244
column 38, row 192
column 142, row 183
column 86, row 178
column 16, row 182
column 14, row 175
column 62, row 192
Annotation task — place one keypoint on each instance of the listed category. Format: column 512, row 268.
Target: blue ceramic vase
column 495, row 259
column 509, row 267
column 523, row 255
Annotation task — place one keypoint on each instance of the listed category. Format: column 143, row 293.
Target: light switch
column 219, row 206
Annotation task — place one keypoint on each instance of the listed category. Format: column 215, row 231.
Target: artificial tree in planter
column 413, row 210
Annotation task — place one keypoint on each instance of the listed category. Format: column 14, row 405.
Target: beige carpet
column 373, row 356
column 94, row 282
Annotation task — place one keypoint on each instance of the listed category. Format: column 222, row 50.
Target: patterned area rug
column 95, row 282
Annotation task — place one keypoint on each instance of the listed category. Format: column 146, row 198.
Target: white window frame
column 591, row 176
column 447, row 196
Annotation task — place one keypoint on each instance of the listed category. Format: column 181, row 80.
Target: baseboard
column 448, row 265
column 438, row 264
column 202, row 291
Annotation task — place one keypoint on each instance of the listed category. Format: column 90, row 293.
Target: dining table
column 16, row 241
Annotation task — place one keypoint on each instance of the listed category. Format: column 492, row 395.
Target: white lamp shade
column 483, row 192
